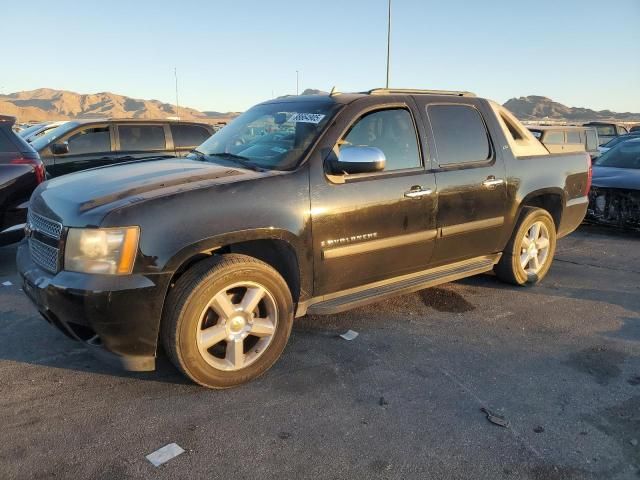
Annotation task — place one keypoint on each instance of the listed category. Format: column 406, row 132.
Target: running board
column 374, row 292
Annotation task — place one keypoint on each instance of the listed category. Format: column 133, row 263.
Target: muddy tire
column 528, row 255
column 227, row 320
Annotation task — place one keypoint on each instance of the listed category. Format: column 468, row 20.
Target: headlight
column 109, row 251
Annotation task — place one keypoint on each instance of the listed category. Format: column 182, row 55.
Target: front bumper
column 117, row 317
column 618, row 207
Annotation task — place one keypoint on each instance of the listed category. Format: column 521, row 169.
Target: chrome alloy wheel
column 237, row 326
column 534, row 249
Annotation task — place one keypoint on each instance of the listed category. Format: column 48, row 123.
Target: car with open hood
column 615, row 194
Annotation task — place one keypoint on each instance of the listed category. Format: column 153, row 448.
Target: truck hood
column 92, row 193
column 611, row 177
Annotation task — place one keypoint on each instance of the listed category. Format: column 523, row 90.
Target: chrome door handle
column 418, row 192
column 492, row 182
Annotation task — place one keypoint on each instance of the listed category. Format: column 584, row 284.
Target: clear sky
column 231, row 54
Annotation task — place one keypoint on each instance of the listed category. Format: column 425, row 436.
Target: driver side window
column 393, row 132
column 90, row 140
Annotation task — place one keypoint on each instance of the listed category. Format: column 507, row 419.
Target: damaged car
column 615, row 193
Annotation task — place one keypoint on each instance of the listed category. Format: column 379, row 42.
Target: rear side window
column 188, row 135
column 393, row 132
column 573, row 137
column 554, row 138
column 606, row 130
column 6, row 145
column 459, row 133
column 592, row 141
column 141, row 137
column 622, row 130
column 90, row 140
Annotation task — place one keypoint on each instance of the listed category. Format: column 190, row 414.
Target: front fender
column 217, row 242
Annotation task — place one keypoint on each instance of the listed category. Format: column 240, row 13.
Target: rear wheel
column 529, row 253
column 227, row 320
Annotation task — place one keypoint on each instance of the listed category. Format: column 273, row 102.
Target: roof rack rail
column 413, row 91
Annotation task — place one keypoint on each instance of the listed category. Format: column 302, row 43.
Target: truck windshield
column 625, row 155
column 273, row 136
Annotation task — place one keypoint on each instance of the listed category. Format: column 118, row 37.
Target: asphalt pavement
column 557, row 365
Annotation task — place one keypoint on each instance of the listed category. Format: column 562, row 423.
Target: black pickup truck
column 312, row 204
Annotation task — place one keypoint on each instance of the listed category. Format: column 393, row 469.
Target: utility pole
column 388, row 40
column 175, row 73
column 297, row 83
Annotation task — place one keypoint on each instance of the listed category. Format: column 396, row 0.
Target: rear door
column 137, row 140
column 186, row 137
column 89, row 146
column 471, row 180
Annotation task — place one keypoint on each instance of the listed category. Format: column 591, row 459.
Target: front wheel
column 227, row 320
column 529, row 253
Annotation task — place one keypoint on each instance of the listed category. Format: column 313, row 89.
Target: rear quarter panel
column 564, row 175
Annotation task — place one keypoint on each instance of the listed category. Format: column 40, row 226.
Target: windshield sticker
column 278, row 150
column 306, row 118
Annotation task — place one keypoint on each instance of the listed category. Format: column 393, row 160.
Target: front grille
column 44, row 255
column 44, row 241
column 43, row 225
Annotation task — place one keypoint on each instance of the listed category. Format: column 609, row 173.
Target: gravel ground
column 560, row 363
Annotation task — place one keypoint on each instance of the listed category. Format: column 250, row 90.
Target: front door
column 374, row 226
column 471, row 183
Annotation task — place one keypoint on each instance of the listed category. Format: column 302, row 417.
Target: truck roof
column 82, row 121
column 348, row 97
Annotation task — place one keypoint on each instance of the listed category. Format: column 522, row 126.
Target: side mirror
column 359, row 160
column 60, row 148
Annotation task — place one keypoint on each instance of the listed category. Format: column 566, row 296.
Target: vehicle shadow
column 610, row 293
column 27, row 339
column 593, row 228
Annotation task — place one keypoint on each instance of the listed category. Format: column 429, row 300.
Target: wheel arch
column 550, row 199
column 278, row 248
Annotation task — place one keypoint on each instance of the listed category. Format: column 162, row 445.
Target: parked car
column 347, row 199
column 565, row 139
column 38, row 130
column 82, row 144
column 607, row 130
column 615, row 196
column 615, row 141
column 20, row 173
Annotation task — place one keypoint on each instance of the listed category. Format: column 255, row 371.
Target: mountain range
column 535, row 107
column 48, row 104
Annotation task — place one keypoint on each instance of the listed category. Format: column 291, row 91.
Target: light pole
column 388, row 40
column 175, row 73
column 297, row 83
